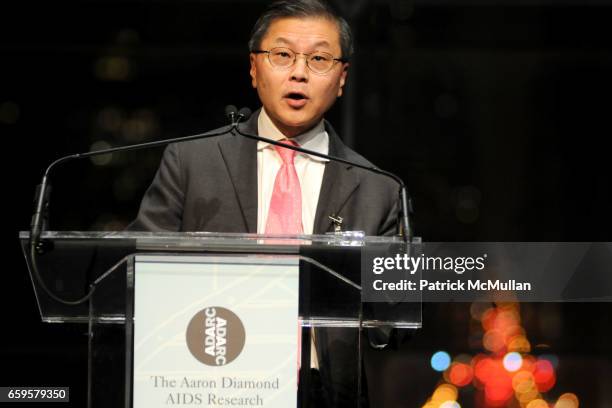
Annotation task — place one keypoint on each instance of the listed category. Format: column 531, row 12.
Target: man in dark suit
column 299, row 52
column 211, row 185
column 299, row 63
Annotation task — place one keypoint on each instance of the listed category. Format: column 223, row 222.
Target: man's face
column 296, row 98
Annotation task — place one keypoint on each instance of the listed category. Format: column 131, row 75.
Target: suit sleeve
column 161, row 208
column 388, row 226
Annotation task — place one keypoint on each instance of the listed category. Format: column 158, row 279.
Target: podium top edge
column 351, row 238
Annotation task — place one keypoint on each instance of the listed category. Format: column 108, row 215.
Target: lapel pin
column 337, row 222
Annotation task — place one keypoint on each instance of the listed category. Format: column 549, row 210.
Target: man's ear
column 343, row 75
column 253, row 70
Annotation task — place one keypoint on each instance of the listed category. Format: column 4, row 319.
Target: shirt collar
column 316, row 139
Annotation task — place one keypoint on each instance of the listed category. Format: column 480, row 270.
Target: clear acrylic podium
column 330, row 302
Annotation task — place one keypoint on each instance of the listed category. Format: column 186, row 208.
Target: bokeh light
column 537, row 403
column 450, row 404
column 440, row 361
column 513, row 361
column 506, row 318
column 104, row 159
column 460, row 374
column 529, row 363
column 493, row 340
column 526, row 397
column 463, row 358
column 488, row 319
column 506, row 374
column 444, row 392
column 567, row 400
column 554, row 360
column 477, row 309
column 113, row 68
column 522, row 382
column 519, row 343
column 544, row 375
column 498, row 391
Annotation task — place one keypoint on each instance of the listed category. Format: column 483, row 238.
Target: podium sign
column 215, row 330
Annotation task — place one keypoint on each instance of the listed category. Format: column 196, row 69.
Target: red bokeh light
column 544, row 375
column 460, row 374
column 498, row 391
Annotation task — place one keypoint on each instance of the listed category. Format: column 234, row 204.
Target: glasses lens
column 320, row 62
column 281, row 57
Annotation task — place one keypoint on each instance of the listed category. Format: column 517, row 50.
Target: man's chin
column 297, row 129
column 296, row 124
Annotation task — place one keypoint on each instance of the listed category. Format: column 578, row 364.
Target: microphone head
column 230, row 111
column 244, row 113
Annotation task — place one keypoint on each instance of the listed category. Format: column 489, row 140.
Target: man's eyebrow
column 282, row 40
column 289, row 43
column 322, row 43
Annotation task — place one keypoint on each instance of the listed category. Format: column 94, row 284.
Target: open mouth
column 296, row 96
column 296, row 100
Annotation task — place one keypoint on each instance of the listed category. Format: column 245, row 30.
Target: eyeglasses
column 318, row 62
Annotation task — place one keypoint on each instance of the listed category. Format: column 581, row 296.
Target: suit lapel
column 339, row 182
column 240, row 156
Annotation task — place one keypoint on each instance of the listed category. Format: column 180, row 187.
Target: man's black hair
column 301, row 9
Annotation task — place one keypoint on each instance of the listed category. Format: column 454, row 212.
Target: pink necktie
column 285, row 213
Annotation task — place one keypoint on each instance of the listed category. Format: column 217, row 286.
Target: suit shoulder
column 208, row 140
column 357, row 158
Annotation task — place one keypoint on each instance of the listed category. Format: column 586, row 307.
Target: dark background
column 496, row 114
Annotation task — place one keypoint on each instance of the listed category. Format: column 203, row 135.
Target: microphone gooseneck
column 235, row 117
column 36, row 226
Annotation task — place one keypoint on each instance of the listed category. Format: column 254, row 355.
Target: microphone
column 42, row 191
column 405, row 202
column 230, row 112
column 244, row 114
column 235, row 116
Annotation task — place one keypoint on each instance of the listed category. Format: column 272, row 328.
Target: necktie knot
column 286, row 155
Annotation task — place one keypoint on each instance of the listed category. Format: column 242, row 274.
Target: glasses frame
column 295, row 55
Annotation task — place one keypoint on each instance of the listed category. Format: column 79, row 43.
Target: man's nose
column 299, row 71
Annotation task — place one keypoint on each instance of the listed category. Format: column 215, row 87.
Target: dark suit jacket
column 211, row 185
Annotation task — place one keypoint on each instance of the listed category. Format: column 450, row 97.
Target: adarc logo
column 215, row 336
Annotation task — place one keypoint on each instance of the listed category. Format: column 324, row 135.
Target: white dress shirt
column 310, row 173
column 309, row 169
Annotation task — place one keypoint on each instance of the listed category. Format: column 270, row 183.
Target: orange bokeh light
column 529, row 396
column 567, row 400
column 529, row 363
column 523, row 382
column 519, row 343
column 538, row 403
column 444, row 392
column 488, row 319
column 507, row 318
column 460, row 374
column 493, row 340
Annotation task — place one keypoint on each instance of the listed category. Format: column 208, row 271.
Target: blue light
column 440, row 361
